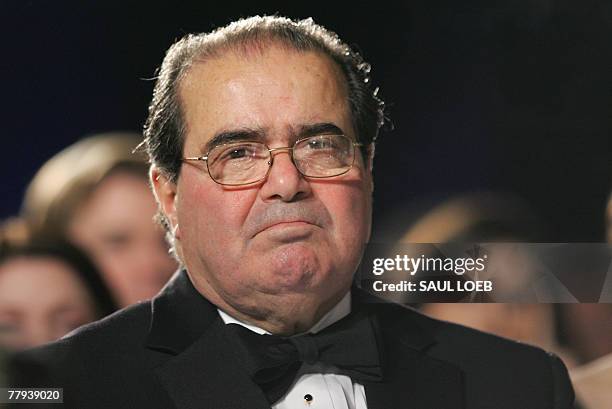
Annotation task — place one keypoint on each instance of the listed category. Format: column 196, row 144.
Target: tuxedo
column 175, row 352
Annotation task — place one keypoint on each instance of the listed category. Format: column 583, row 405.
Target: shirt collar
column 340, row 310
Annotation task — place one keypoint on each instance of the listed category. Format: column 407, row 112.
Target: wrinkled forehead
column 264, row 87
column 238, row 58
column 249, row 50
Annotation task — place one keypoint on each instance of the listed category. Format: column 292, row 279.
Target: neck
column 339, row 311
column 278, row 314
column 287, row 322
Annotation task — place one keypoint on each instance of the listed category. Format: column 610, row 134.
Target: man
column 261, row 138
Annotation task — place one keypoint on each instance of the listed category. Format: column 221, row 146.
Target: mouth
column 292, row 223
column 286, row 231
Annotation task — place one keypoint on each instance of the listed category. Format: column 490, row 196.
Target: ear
column 165, row 193
column 370, row 165
column 370, row 160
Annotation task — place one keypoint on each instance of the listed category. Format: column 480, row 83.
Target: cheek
column 211, row 214
column 350, row 209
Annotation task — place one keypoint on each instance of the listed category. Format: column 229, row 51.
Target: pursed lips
column 289, row 216
column 284, row 223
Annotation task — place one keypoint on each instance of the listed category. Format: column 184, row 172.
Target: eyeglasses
column 243, row 163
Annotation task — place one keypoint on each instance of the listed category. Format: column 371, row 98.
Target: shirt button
column 308, row 399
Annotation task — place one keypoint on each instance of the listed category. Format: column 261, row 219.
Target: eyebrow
column 318, row 129
column 258, row 134
column 235, row 135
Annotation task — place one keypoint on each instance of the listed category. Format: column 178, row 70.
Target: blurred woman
column 46, row 290
column 95, row 193
column 492, row 217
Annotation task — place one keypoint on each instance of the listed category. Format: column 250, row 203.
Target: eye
column 321, row 143
column 238, row 152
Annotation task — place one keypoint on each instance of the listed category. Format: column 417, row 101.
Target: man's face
column 287, row 246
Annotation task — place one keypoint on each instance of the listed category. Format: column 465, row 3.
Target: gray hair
column 164, row 128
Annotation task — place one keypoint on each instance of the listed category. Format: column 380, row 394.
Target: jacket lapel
column 196, row 361
column 412, row 379
column 197, row 364
column 418, row 382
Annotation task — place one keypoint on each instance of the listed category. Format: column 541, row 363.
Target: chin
column 289, row 280
column 296, row 266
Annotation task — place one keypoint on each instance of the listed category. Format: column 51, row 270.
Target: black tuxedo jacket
column 174, row 352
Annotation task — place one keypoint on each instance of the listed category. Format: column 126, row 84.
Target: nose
column 284, row 182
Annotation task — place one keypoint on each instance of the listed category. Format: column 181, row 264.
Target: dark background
column 505, row 95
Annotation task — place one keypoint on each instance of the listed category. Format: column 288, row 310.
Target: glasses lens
column 324, row 155
column 238, row 163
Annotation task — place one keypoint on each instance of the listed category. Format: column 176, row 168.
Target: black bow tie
column 351, row 345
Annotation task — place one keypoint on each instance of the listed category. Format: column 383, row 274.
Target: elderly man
column 261, row 138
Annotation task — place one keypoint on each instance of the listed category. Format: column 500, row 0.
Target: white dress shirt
column 318, row 386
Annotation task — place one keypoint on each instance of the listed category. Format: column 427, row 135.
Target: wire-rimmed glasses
column 246, row 162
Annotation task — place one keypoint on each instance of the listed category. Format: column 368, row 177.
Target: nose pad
column 284, row 181
column 289, row 151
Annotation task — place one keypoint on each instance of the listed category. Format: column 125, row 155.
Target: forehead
column 275, row 90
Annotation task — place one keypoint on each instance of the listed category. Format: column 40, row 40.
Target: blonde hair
column 66, row 180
